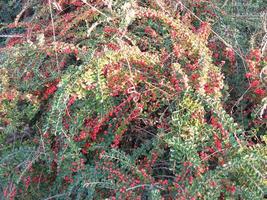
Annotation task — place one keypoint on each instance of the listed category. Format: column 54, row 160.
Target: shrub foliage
column 129, row 99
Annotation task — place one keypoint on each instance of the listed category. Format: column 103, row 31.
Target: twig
column 54, row 32
column 94, row 8
column 26, row 134
column 144, row 185
column 264, row 39
column 225, row 3
column 54, row 197
column 239, row 100
column 11, row 36
column 25, row 7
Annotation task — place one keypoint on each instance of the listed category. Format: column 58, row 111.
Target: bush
column 127, row 100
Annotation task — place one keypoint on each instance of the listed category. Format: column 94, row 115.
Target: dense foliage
column 132, row 99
